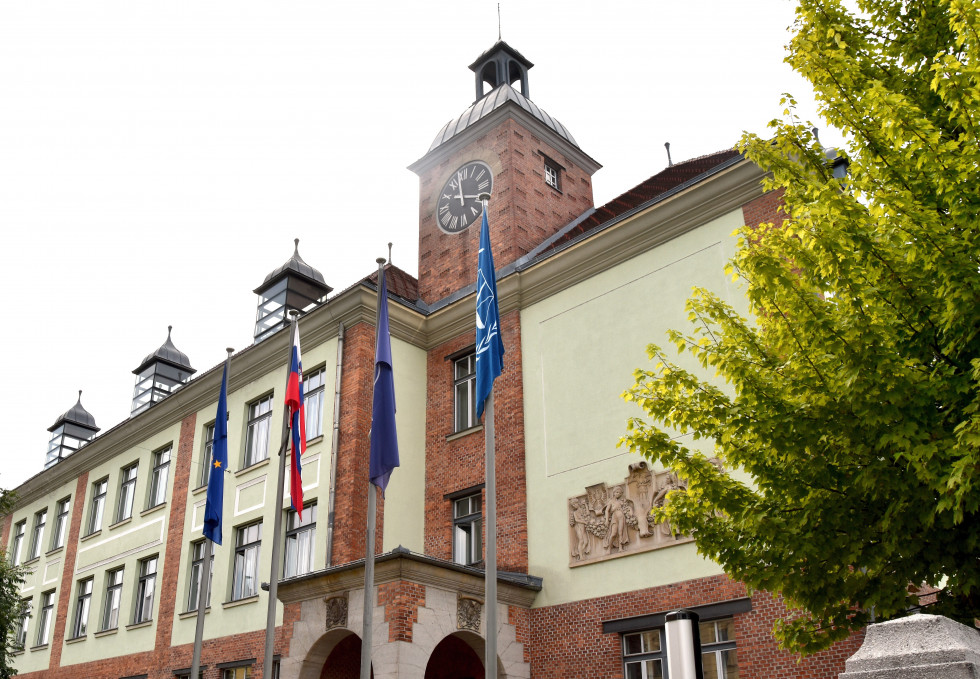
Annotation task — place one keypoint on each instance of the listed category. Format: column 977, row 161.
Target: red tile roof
column 665, row 180
column 399, row 283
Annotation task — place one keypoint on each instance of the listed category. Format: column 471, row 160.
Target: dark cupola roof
column 76, row 415
column 294, row 266
column 169, row 354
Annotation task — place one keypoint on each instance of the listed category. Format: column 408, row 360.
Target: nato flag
column 219, row 461
column 384, row 437
column 489, row 345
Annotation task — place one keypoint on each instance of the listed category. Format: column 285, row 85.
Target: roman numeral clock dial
column 459, row 206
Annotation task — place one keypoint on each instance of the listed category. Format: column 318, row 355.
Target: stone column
column 917, row 647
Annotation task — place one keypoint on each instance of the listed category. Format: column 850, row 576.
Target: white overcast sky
column 158, row 158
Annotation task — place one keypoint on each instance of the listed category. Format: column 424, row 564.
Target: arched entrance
column 335, row 655
column 457, row 657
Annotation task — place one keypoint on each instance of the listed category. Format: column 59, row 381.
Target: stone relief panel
column 468, row 611
column 609, row 521
column 336, row 611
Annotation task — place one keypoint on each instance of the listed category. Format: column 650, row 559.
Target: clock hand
column 460, row 180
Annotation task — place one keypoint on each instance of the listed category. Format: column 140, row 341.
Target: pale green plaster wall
column 249, row 495
column 43, row 573
column 404, row 520
column 580, row 348
column 121, row 544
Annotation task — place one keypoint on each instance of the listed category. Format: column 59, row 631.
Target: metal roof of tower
column 294, row 265
column 76, row 415
column 167, row 353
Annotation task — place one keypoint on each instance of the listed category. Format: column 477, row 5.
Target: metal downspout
column 333, row 444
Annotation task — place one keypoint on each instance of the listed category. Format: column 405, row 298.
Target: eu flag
column 219, row 462
column 489, row 345
column 384, row 437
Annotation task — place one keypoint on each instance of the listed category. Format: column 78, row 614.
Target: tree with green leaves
column 845, row 405
column 11, row 579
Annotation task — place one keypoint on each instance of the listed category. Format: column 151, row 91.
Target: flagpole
column 491, row 536
column 270, row 620
column 368, row 616
column 205, row 586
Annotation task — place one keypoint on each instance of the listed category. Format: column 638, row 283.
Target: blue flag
column 218, row 462
column 384, row 437
column 489, row 344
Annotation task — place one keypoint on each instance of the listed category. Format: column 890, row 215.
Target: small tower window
column 552, row 173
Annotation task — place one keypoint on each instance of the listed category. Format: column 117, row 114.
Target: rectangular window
column 245, row 579
column 21, row 624
column 145, row 587
column 552, row 174
column 468, row 530
column 37, row 534
column 113, row 594
column 313, row 390
column 718, row 649
column 127, row 492
column 44, row 621
column 257, row 436
column 299, row 541
column 99, row 490
column 19, row 529
column 83, row 601
column 464, row 386
column 236, row 673
column 206, row 456
column 60, row 528
column 194, row 584
column 644, row 655
column 160, row 474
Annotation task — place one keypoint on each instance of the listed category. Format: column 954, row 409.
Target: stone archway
column 335, row 655
column 458, row 656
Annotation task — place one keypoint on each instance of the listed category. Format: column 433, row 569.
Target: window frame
column 468, row 528
column 60, row 528
column 258, row 431
column 159, row 476
column 83, row 607
column 97, row 506
column 246, row 553
column 127, row 491
column 19, row 532
column 194, row 579
column 718, row 648
column 467, row 381
column 112, row 603
column 552, row 169
column 313, row 401
column 639, row 660
column 295, row 534
column 44, row 621
column 37, row 533
column 206, row 454
column 23, row 624
column 145, row 589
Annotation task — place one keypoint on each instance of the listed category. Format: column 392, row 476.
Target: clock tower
column 503, row 144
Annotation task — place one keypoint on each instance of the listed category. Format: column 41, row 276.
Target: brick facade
column 455, row 464
column 523, row 210
column 567, row 640
column 401, row 600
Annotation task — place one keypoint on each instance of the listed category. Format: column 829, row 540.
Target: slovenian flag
column 297, row 425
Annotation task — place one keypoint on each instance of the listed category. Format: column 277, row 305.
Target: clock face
column 459, row 205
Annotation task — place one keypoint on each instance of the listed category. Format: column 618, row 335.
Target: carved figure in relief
column 579, row 519
column 641, row 478
column 671, row 483
column 614, row 514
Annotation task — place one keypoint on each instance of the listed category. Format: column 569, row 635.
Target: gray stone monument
column 917, row 647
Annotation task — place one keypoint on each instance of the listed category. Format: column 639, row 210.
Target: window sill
column 315, row 439
column 154, row 508
column 90, row 535
column 17, row 651
column 241, row 602
column 200, row 489
column 192, row 614
column 75, row 640
column 465, row 432
column 31, row 562
column 138, row 625
column 39, row 647
column 106, row 632
column 260, row 463
column 121, row 522
column 51, row 552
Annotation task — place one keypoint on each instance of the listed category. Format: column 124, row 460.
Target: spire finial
column 79, row 395
column 389, row 253
column 296, row 246
column 498, row 23
column 670, row 163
